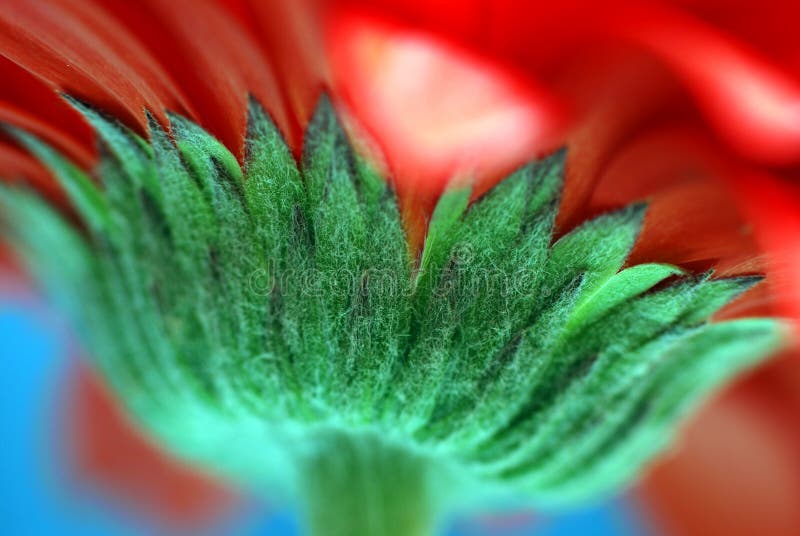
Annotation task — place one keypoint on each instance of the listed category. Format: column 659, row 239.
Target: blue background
column 37, row 495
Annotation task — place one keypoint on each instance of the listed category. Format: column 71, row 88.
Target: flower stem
column 360, row 485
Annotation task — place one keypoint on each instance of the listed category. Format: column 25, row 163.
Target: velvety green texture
column 269, row 322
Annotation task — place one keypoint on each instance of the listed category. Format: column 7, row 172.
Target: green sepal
column 643, row 421
column 257, row 317
column 619, row 288
column 132, row 154
column 84, row 194
column 477, row 292
column 343, row 254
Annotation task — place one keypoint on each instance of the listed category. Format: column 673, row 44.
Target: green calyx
column 270, row 324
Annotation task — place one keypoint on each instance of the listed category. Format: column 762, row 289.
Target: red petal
column 18, row 164
column 435, row 110
column 111, row 453
column 290, row 37
column 210, row 57
column 81, row 50
column 622, row 95
column 31, row 103
column 737, row 469
column 772, row 206
column 191, row 57
column 676, row 169
column 754, row 104
column 22, row 118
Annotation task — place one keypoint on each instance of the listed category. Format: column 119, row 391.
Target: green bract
column 270, row 324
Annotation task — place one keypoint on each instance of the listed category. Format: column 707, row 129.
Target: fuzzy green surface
column 270, row 324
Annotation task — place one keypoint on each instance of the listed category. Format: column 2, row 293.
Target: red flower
column 667, row 102
column 693, row 105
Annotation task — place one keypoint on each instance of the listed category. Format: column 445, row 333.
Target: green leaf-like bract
column 263, row 321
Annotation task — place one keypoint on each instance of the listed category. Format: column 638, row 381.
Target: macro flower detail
column 272, row 322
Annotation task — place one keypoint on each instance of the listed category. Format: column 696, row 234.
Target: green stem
column 361, row 486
